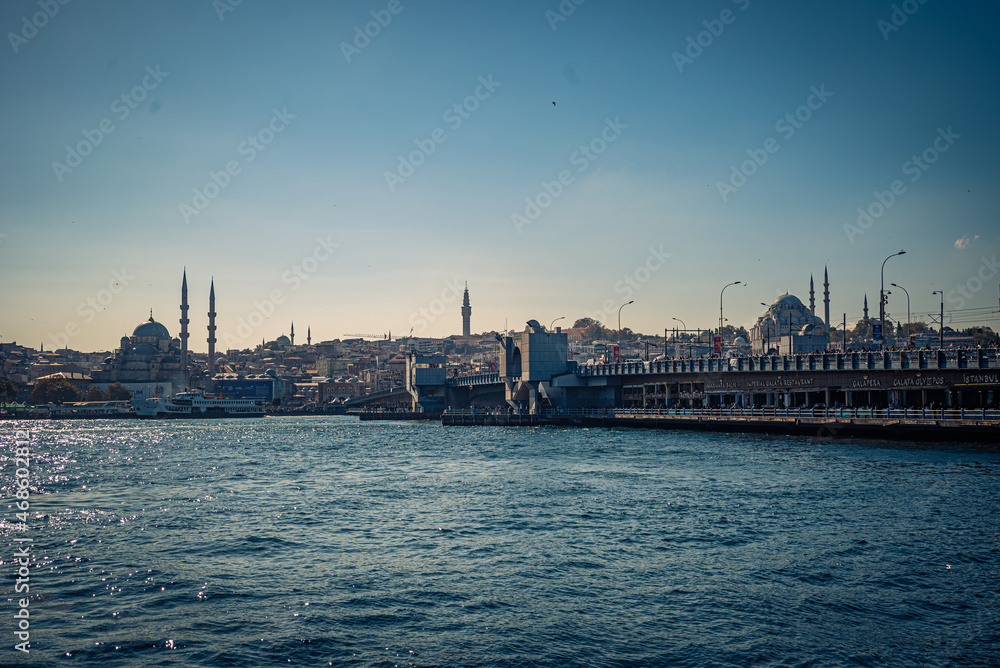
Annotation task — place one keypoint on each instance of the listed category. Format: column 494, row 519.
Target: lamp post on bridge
column 881, row 301
column 791, row 345
column 620, row 327
column 908, row 321
column 562, row 317
column 720, row 303
column 767, row 334
column 685, row 331
column 941, row 321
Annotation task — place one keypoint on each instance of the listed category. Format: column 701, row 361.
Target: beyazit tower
column 466, row 313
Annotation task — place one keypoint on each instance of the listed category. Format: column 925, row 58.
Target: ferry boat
column 91, row 409
column 196, row 404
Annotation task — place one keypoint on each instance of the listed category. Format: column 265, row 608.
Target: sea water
column 327, row 541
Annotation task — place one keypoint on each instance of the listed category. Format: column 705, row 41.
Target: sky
column 350, row 166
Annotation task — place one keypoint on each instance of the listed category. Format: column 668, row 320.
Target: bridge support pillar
column 534, row 405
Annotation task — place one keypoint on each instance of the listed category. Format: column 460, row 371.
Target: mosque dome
column 283, row 341
column 788, row 301
column 812, row 329
column 152, row 329
column 740, row 341
column 144, row 349
column 169, row 360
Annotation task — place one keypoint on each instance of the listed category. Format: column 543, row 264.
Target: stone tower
column 466, row 313
column 211, row 331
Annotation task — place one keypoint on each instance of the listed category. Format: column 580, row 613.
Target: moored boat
column 91, row 409
column 195, row 404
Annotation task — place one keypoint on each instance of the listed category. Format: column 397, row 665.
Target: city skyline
column 558, row 161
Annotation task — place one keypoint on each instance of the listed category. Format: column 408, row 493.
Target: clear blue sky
column 664, row 134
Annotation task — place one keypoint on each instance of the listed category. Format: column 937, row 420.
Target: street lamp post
column 562, row 317
column 908, row 321
column 881, row 300
column 941, row 321
column 720, row 304
column 685, row 331
column 620, row 327
column 791, row 345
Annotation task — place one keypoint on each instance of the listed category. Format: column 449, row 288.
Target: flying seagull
column 553, row 103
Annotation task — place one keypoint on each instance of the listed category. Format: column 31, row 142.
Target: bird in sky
column 553, row 104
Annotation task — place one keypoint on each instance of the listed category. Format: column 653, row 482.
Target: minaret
column 211, row 331
column 466, row 312
column 866, row 306
column 826, row 298
column 309, row 336
column 184, row 328
column 812, row 297
column 291, row 339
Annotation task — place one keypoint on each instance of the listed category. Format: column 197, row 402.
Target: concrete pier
column 973, row 426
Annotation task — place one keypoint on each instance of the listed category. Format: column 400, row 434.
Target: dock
column 974, row 426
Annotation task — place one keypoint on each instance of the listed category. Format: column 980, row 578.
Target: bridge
column 535, row 374
column 392, row 397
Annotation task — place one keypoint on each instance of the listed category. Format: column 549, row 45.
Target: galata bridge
column 535, row 373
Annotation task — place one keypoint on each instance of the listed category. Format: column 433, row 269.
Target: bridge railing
column 901, row 414
column 475, row 379
column 979, row 358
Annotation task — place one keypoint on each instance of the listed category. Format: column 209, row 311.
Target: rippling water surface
column 326, row 541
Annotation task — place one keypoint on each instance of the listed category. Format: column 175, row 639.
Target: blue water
column 326, row 541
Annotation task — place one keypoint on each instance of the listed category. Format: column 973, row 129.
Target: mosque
column 790, row 327
column 150, row 362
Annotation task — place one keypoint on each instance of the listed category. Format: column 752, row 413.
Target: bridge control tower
column 529, row 362
column 426, row 381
